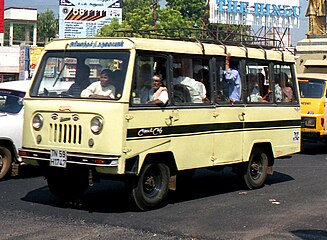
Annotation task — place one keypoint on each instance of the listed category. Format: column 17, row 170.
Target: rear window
column 11, row 101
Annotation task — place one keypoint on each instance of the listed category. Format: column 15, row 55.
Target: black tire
column 150, row 188
column 255, row 172
column 5, row 161
column 67, row 184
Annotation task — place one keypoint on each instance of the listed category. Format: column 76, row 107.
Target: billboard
column 2, row 21
column 84, row 18
column 2, row 11
column 277, row 13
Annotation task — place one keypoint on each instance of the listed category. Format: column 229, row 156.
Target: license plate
column 58, row 158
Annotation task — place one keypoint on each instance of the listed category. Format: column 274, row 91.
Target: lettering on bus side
column 150, row 131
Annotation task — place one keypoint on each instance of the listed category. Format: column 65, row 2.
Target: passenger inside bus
column 158, row 94
column 203, row 77
column 278, row 89
column 253, row 88
column 102, row 88
column 82, row 81
column 286, row 88
column 234, row 80
column 197, row 90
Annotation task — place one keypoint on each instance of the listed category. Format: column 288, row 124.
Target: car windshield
column 11, row 101
column 310, row 88
column 81, row 74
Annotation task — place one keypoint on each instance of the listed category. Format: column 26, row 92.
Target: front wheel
column 5, row 161
column 150, row 188
column 255, row 172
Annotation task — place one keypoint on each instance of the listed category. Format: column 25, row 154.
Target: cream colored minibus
column 79, row 137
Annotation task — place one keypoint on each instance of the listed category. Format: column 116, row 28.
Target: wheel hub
column 150, row 184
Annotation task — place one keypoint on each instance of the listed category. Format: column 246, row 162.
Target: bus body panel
column 283, row 135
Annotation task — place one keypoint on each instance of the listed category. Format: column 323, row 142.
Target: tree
column 180, row 18
column 195, row 11
column 138, row 15
column 47, row 26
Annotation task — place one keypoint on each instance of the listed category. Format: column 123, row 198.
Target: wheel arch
column 267, row 147
column 161, row 157
column 10, row 146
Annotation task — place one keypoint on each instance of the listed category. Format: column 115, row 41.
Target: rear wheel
column 150, row 188
column 5, row 161
column 255, row 172
column 67, row 184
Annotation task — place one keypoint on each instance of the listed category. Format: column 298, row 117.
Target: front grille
column 65, row 133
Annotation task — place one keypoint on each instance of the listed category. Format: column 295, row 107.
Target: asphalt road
column 292, row 205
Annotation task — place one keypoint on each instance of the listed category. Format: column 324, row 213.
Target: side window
column 284, row 84
column 149, row 81
column 191, row 83
column 221, row 83
column 257, row 83
column 228, row 80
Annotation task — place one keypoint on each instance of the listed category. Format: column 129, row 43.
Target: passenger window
column 191, row 83
column 149, row 82
column 257, row 83
column 228, row 80
column 284, row 83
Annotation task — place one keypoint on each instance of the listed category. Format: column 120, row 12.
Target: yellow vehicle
column 77, row 140
column 313, row 105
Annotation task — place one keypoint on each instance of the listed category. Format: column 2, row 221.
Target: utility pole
column 154, row 6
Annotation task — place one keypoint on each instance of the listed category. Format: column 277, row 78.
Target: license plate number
column 58, row 158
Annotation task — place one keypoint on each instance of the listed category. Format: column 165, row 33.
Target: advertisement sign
column 277, row 13
column 2, row 10
column 35, row 55
column 23, row 52
column 84, row 18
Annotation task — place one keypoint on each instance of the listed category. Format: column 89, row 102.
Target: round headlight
column 96, row 125
column 37, row 122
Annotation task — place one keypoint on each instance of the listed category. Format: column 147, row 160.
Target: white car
column 11, row 124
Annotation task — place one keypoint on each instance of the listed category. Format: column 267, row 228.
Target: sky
column 43, row 5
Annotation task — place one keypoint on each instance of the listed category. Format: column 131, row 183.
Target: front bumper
column 33, row 156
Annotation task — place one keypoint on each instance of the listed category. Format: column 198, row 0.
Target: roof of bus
column 316, row 76
column 165, row 45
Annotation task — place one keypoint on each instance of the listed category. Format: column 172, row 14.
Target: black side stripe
column 205, row 128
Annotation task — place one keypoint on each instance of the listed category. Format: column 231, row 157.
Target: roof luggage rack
column 217, row 36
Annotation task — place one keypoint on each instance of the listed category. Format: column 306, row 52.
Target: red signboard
column 2, row 10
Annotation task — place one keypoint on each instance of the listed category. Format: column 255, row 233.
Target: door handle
column 241, row 116
column 173, row 117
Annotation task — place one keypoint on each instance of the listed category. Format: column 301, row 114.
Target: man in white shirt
column 158, row 94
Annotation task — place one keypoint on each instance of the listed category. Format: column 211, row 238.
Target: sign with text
column 84, row 18
column 277, row 13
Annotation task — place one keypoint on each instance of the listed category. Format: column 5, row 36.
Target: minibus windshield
column 310, row 88
column 81, row 74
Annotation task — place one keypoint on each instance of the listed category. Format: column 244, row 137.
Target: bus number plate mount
column 58, row 158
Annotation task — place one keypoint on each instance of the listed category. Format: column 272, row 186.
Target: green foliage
column 194, row 10
column 47, row 26
column 180, row 18
column 138, row 15
column 19, row 33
